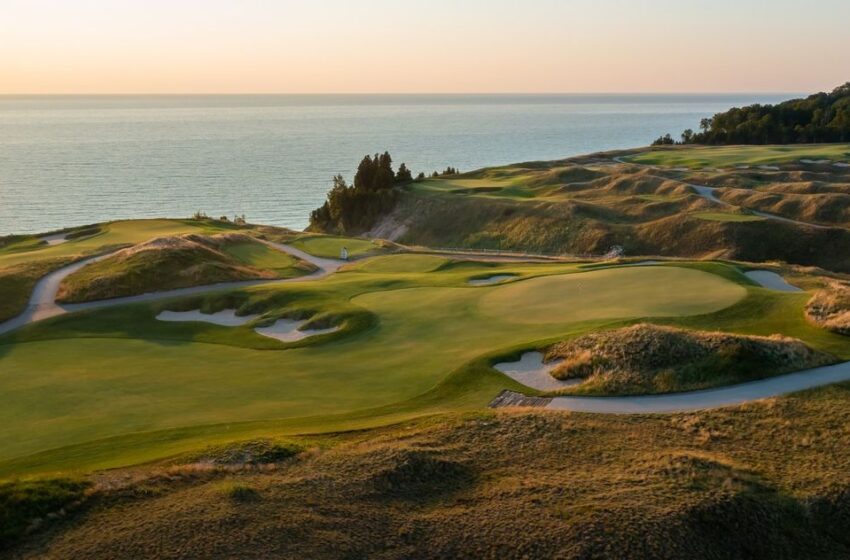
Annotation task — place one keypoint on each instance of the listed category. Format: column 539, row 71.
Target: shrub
column 23, row 503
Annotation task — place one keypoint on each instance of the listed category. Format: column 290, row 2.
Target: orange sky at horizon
column 377, row 46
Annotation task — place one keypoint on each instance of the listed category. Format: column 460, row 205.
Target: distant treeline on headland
column 354, row 208
column 818, row 118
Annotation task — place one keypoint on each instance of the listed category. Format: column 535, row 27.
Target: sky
column 422, row 46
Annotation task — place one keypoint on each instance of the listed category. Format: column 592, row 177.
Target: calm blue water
column 71, row 160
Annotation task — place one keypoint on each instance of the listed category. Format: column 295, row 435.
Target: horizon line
column 529, row 93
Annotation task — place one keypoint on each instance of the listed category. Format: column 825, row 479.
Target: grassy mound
column 830, row 307
column 517, row 485
column 166, row 263
column 17, row 282
column 647, row 358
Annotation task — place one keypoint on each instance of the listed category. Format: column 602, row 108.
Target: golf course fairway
column 113, row 372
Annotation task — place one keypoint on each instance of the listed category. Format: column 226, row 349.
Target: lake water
column 72, row 160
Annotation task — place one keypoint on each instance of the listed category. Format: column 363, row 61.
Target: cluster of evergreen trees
column 822, row 117
column 354, row 208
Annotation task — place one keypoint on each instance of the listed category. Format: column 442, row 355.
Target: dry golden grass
column 179, row 261
column 830, row 307
column 647, row 358
column 766, row 480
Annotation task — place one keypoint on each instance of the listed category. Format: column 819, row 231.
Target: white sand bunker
column 841, row 164
column 771, row 280
column 225, row 317
column 287, row 330
column 769, row 167
column 55, row 239
column 532, row 372
column 490, row 280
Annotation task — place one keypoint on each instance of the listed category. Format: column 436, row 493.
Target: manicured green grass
column 329, row 246
column 402, row 264
column 723, row 156
column 115, row 387
column 726, row 217
column 659, row 197
column 261, row 256
column 612, row 293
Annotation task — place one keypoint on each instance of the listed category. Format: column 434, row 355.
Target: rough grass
column 17, row 282
column 24, row 505
column 511, row 485
column 25, row 258
column 167, row 263
column 830, row 307
column 647, row 358
column 580, row 207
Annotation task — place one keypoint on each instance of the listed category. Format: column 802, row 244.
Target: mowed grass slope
column 330, row 246
column 73, row 380
column 722, row 156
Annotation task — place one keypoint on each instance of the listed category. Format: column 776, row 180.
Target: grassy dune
column 167, row 263
column 763, row 481
column 647, row 358
column 588, row 205
column 24, row 259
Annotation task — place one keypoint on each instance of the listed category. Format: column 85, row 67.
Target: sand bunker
column 225, row 317
column 55, row 239
column 769, row 167
column 771, row 280
column 532, row 372
column 490, row 280
column 287, row 330
column 841, row 164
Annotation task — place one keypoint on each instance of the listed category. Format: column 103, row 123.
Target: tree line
column 822, row 117
column 355, row 208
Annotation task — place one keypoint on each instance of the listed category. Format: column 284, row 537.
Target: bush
column 23, row 503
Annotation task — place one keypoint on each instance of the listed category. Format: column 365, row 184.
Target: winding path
column 43, row 305
column 729, row 395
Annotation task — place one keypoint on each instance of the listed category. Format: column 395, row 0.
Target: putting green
column 402, row 264
column 650, row 291
column 329, row 246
